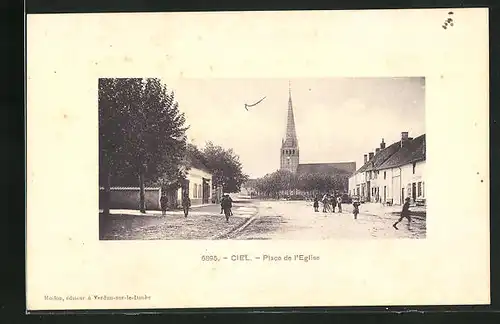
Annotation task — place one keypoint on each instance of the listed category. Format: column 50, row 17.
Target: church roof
column 340, row 167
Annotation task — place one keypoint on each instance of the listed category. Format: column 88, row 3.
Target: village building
column 390, row 174
column 198, row 184
column 290, row 153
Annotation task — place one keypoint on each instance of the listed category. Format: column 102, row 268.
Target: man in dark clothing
column 316, row 204
column 163, row 204
column 186, row 203
column 405, row 213
column 226, row 206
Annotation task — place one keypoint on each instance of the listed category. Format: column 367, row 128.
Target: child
column 355, row 204
column 405, row 213
column 316, row 204
column 339, row 203
column 324, row 200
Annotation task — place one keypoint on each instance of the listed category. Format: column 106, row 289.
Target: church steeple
column 290, row 145
column 291, row 135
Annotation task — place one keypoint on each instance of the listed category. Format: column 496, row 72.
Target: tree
column 271, row 185
column 141, row 132
column 225, row 166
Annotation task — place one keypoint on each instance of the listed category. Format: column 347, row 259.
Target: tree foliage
column 225, row 166
column 283, row 182
column 141, row 133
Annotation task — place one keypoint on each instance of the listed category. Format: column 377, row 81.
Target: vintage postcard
column 243, row 159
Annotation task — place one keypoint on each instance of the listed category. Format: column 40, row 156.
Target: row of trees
column 283, row 182
column 142, row 140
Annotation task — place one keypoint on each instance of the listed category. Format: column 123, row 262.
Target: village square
column 157, row 184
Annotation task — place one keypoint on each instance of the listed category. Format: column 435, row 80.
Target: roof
column 340, row 167
column 382, row 156
column 413, row 151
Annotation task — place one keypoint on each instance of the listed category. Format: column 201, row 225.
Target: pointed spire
column 291, row 136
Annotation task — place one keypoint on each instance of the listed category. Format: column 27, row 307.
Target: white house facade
column 393, row 173
column 198, row 185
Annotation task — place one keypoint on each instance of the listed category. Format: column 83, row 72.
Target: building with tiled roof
column 391, row 174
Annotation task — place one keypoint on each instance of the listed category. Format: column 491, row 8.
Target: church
column 290, row 153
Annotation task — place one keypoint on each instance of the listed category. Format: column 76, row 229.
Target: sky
column 336, row 119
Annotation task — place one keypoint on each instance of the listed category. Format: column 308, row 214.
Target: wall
column 129, row 198
column 387, row 183
column 355, row 183
column 408, row 177
column 195, row 177
column 352, row 185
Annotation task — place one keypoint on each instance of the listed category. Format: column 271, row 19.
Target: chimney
column 404, row 138
column 382, row 144
column 377, row 150
column 370, row 155
column 365, row 158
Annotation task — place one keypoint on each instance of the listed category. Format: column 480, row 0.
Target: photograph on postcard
column 261, row 159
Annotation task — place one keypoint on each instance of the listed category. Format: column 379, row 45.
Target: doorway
column 205, row 191
column 414, row 191
column 385, row 194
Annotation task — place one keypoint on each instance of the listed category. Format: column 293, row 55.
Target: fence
column 129, row 198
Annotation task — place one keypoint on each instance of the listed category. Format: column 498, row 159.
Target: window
column 385, row 174
column 423, row 189
column 419, row 189
column 414, row 164
column 200, row 194
column 195, row 191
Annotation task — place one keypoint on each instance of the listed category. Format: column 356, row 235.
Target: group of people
column 226, row 205
column 330, row 201
column 186, row 204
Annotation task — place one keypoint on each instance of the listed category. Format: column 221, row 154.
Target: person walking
column 316, row 204
column 227, row 204
column 355, row 206
column 333, row 202
column 163, row 203
column 186, row 203
column 339, row 203
column 324, row 201
column 405, row 213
